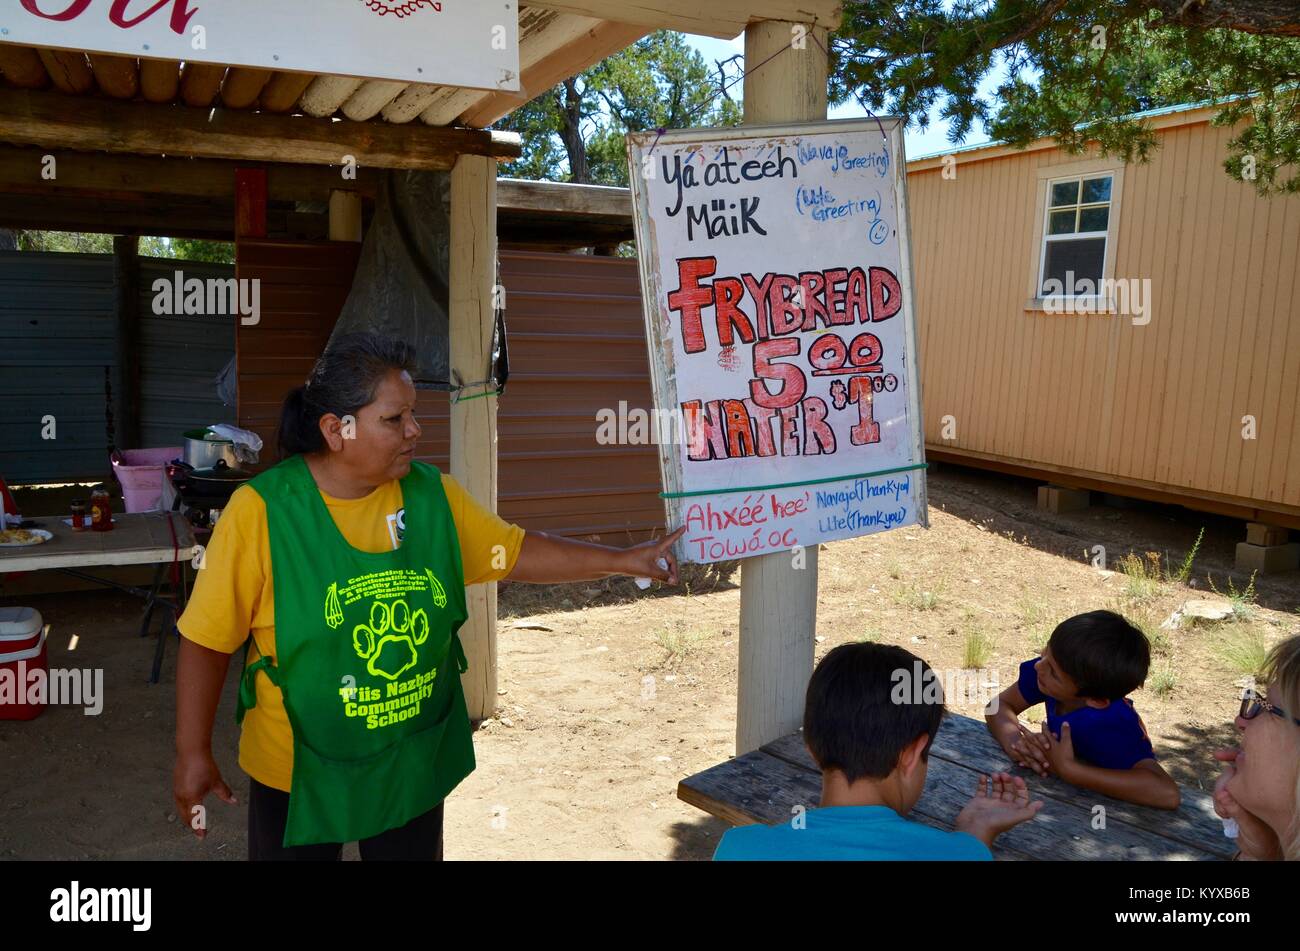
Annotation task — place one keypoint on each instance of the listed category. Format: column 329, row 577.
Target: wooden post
column 474, row 421
column 126, row 284
column 250, row 202
column 345, row 215
column 785, row 81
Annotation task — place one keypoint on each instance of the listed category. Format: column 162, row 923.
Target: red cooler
column 22, row 650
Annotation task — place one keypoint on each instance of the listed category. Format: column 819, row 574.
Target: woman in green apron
column 342, row 573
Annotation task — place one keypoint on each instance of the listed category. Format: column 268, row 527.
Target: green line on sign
column 790, row 485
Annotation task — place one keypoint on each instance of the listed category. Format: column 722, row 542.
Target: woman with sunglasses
column 1260, row 785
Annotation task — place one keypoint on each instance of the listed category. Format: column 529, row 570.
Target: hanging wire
column 724, row 86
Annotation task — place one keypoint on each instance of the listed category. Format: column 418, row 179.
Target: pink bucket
column 141, row 473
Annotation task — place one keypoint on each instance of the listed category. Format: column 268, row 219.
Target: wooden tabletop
column 765, row 785
column 140, row 539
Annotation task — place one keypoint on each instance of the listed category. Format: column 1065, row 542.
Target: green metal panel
column 56, row 351
column 58, row 356
column 181, row 357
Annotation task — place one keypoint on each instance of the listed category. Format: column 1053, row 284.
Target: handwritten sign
column 450, row 42
column 778, row 305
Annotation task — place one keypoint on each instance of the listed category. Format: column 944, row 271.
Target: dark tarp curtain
column 402, row 282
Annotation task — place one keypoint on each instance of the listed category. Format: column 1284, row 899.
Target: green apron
column 366, row 644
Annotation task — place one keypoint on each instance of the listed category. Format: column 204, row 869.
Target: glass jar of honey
column 101, row 510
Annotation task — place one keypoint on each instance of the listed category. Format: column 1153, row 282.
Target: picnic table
column 765, row 786
column 162, row 539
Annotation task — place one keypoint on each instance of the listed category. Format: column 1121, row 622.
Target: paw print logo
column 388, row 643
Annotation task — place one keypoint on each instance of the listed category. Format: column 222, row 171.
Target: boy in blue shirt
column 870, row 733
column 1093, row 736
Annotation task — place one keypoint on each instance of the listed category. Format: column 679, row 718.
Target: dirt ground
column 608, row 696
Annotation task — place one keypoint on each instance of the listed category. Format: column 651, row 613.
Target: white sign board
column 778, row 305
column 450, row 42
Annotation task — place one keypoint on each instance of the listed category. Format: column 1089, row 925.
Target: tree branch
column 1260, row 17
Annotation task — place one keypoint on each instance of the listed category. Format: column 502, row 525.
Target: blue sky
column 934, row 139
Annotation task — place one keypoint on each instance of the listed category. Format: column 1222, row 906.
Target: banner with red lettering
column 778, row 301
column 450, row 42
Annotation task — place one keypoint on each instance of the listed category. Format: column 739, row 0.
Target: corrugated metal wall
column 303, row 287
column 1158, row 406
column 57, row 333
column 58, row 355
column 577, row 344
column 181, row 358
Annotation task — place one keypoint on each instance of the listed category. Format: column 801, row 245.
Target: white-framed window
column 1076, row 235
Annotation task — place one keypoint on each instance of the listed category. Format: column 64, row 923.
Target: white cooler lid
column 19, row 623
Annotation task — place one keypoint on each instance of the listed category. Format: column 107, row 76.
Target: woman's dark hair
column 866, row 703
column 1105, row 655
column 343, row 380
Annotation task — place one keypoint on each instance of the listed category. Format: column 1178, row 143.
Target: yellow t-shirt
column 233, row 594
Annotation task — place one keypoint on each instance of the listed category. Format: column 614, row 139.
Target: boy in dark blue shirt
column 1092, row 736
column 870, row 732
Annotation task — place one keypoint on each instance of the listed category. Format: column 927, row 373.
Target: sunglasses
column 1252, row 703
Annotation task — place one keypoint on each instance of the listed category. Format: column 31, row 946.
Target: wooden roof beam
column 564, row 198
column 69, row 70
column 243, row 85
column 326, row 93
column 721, row 18
column 200, row 83
column 593, row 45
column 118, row 76
column 22, row 66
column 122, row 176
column 373, row 95
column 160, row 79
column 440, row 105
column 48, row 120
column 284, row 90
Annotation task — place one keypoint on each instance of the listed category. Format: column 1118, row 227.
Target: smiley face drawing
column 388, row 642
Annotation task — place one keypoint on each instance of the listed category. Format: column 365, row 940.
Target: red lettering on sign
column 812, row 284
column 787, row 316
column 857, row 297
column 884, row 283
column 866, row 430
column 691, row 298
column 76, row 9
column 793, row 384
column 730, row 291
column 117, row 14
column 818, row 437
column 740, row 438
column 791, row 508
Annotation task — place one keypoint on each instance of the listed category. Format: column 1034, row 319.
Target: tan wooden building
column 1187, row 391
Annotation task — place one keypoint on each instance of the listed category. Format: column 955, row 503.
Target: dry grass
column 977, row 649
column 983, row 588
column 1244, row 650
